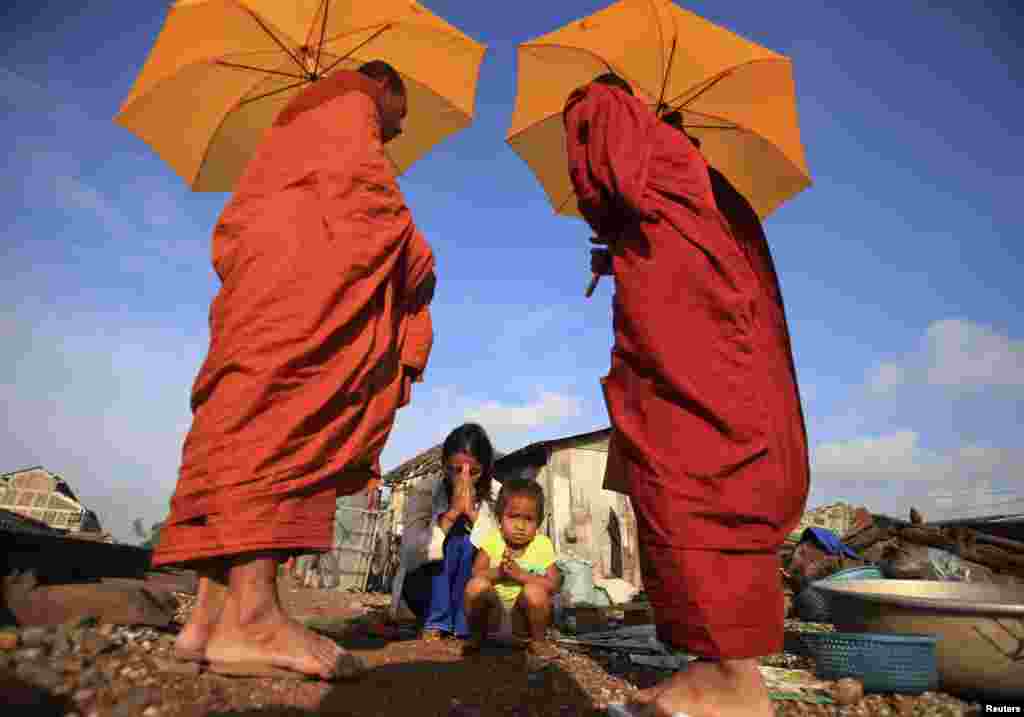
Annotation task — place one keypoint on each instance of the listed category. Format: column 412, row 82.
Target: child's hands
column 510, row 570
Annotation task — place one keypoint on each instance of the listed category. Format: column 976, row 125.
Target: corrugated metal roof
column 537, row 453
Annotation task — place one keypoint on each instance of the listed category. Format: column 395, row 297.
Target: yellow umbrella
column 736, row 97
column 221, row 70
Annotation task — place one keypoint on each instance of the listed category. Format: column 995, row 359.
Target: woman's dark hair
column 520, row 486
column 471, row 439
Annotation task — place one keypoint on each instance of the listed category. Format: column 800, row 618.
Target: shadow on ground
column 499, row 681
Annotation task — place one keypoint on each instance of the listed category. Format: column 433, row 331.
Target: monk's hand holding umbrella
column 600, row 262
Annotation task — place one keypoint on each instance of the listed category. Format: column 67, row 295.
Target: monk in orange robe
column 319, row 328
column 708, row 436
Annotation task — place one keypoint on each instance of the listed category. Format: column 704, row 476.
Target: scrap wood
column 635, row 638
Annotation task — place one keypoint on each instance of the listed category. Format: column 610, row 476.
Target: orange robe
column 708, row 436
column 320, row 325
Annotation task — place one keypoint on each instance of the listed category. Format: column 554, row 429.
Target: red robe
column 320, row 325
column 708, row 436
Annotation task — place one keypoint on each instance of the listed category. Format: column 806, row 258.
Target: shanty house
column 582, row 519
column 39, row 494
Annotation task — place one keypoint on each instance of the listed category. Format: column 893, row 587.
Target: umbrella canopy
column 221, row 70
column 738, row 98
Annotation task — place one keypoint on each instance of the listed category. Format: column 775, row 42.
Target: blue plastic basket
column 882, row 662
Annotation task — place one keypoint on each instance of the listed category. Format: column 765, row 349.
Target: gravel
column 128, row 671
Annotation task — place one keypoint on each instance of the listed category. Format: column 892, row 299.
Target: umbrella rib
column 664, row 81
column 584, row 50
column 714, row 81
column 276, row 40
column 661, row 41
column 358, row 47
column 323, row 31
column 273, row 92
column 259, row 69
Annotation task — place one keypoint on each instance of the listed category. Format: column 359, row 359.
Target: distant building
column 38, row 494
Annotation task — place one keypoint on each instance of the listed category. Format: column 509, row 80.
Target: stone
column 62, row 645
column 124, row 602
column 39, row 675
column 151, row 711
column 35, row 637
column 94, row 643
column 29, row 654
column 176, row 667
column 138, row 698
column 92, row 677
column 84, row 696
column 847, row 691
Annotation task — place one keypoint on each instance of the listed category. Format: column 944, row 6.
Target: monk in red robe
column 320, row 326
column 708, row 436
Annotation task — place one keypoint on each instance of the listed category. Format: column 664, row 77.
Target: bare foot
column 191, row 642
column 708, row 689
column 254, row 636
column 278, row 642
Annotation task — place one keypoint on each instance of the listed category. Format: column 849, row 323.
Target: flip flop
column 347, row 667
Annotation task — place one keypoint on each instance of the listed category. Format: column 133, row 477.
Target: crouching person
column 514, row 578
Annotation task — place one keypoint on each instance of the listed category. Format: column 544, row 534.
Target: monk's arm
column 608, row 151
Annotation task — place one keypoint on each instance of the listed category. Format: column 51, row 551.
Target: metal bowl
column 980, row 627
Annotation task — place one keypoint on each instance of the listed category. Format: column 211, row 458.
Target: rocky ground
column 102, row 670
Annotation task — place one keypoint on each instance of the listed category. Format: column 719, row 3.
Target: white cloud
column 963, row 352
column 548, row 408
column 955, row 353
column 892, row 472
column 887, row 376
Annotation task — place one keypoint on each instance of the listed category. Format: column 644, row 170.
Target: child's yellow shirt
column 536, row 559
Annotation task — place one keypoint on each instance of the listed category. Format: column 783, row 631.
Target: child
column 514, row 574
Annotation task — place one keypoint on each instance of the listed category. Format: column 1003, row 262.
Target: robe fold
column 320, row 326
column 708, row 435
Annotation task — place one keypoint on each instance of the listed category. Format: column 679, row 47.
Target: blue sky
column 900, row 266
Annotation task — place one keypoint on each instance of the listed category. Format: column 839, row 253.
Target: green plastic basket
column 883, row 662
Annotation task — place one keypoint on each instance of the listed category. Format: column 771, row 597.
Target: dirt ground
column 120, row 671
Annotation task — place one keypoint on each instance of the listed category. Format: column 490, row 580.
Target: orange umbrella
column 221, row 71
column 737, row 97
